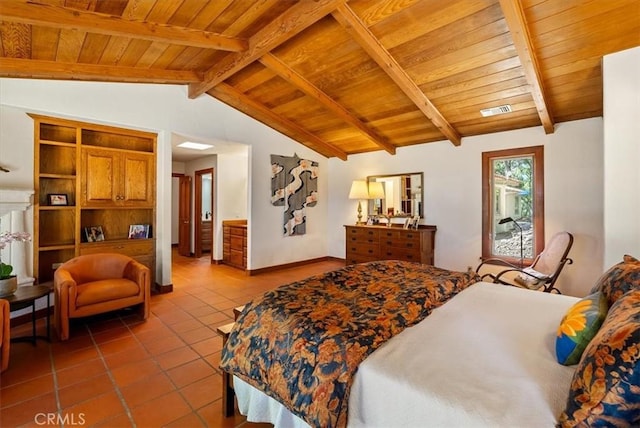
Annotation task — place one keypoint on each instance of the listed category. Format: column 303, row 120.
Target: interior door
column 184, row 216
column 203, row 197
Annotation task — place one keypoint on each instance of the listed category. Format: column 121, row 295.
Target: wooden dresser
column 234, row 243
column 207, row 235
column 369, row 243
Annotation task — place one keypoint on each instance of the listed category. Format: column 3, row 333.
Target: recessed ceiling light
column 194, row 146
column 496, row 110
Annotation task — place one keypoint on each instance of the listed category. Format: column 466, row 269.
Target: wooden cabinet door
column 99, row 183
column 137, row 180
column 114, row 178
column 184, row 216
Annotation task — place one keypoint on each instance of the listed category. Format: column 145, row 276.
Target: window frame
column 537, row 153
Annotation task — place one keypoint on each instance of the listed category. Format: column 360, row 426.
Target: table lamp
column 359, row 190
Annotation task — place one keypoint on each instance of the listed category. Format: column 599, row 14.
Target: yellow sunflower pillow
column 578, row 327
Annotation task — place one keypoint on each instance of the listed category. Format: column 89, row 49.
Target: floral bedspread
column 302, row 342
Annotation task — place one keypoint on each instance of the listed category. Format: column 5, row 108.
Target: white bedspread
column 484, row 359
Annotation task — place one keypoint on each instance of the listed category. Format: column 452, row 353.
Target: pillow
column 578, row 326
column 605, row 390
column 532, row 279
column 619, row 279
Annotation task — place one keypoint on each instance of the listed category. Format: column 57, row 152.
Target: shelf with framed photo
column 92, row 182
column 93, row 234
column 139, row 231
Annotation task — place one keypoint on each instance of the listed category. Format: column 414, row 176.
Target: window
column 513, row 188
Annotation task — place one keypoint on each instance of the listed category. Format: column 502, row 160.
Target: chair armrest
column 497, row 261
column 138, row 273
column 63, row 280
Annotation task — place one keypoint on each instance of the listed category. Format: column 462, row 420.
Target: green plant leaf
column 5, row 270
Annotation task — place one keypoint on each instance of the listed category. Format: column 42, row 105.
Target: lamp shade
column 359, row 190
column 376, row 190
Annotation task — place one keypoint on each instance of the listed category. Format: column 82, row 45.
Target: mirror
column 397, row 195
column 207, row 205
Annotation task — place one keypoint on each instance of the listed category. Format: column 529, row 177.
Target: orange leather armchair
column 97, row 283
column 5, row 338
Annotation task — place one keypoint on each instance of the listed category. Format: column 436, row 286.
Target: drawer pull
column 388, row 242
column 370, row 251
column 409, row 245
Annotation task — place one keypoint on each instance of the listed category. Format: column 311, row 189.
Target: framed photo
column 415, row 221
column 407, row 222
column 57, row 199
column 138, row 231
column 93, row 233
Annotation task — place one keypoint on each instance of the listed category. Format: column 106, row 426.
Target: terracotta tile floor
column 117, row 371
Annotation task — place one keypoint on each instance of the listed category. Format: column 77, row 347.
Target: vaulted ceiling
column 340, row 77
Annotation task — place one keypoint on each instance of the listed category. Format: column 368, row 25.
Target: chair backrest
column 554, row 256
column 95, row 267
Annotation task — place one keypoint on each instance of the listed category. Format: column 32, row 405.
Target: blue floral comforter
column 302, row 342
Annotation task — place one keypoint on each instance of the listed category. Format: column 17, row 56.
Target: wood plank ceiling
column 341, row 77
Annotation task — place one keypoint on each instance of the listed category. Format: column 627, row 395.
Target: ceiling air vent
column 496, row 110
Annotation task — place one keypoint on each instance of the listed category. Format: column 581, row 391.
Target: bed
column 485, row 357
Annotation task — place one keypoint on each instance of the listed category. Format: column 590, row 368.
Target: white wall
column 621, row 80
column 453, row 195
column 166, row 109
column 176, row 168
column 231, row 185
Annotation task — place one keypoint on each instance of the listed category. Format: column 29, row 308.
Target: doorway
column 203, row 213
column 181, row 231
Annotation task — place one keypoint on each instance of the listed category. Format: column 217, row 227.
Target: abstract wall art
column 294, row 185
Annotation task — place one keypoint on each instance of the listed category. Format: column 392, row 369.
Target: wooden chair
column 98, row 283
column 543, row 272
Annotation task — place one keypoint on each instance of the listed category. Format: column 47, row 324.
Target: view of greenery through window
column 512, row 185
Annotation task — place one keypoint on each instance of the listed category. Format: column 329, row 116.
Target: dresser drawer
column 130, row 247
column 357, row 258
column 369, row 243
column 362, row 233
column 237, row 242
column 238, row 231
column 410, row 255
column 364, row 249
column 400, row 242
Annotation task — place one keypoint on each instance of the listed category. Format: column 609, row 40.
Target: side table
column 26, row 296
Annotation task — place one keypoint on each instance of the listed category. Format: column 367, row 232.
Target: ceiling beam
column 29, row 68
column 360, row 32
column 236, row 99
column 296, row 79
column 100, row 23
column 514, row 16
column 292, row 22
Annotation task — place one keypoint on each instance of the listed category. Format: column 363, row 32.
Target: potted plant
column 8, row 282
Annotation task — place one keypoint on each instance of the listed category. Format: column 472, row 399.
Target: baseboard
column 253, row 272
column 162, row 289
